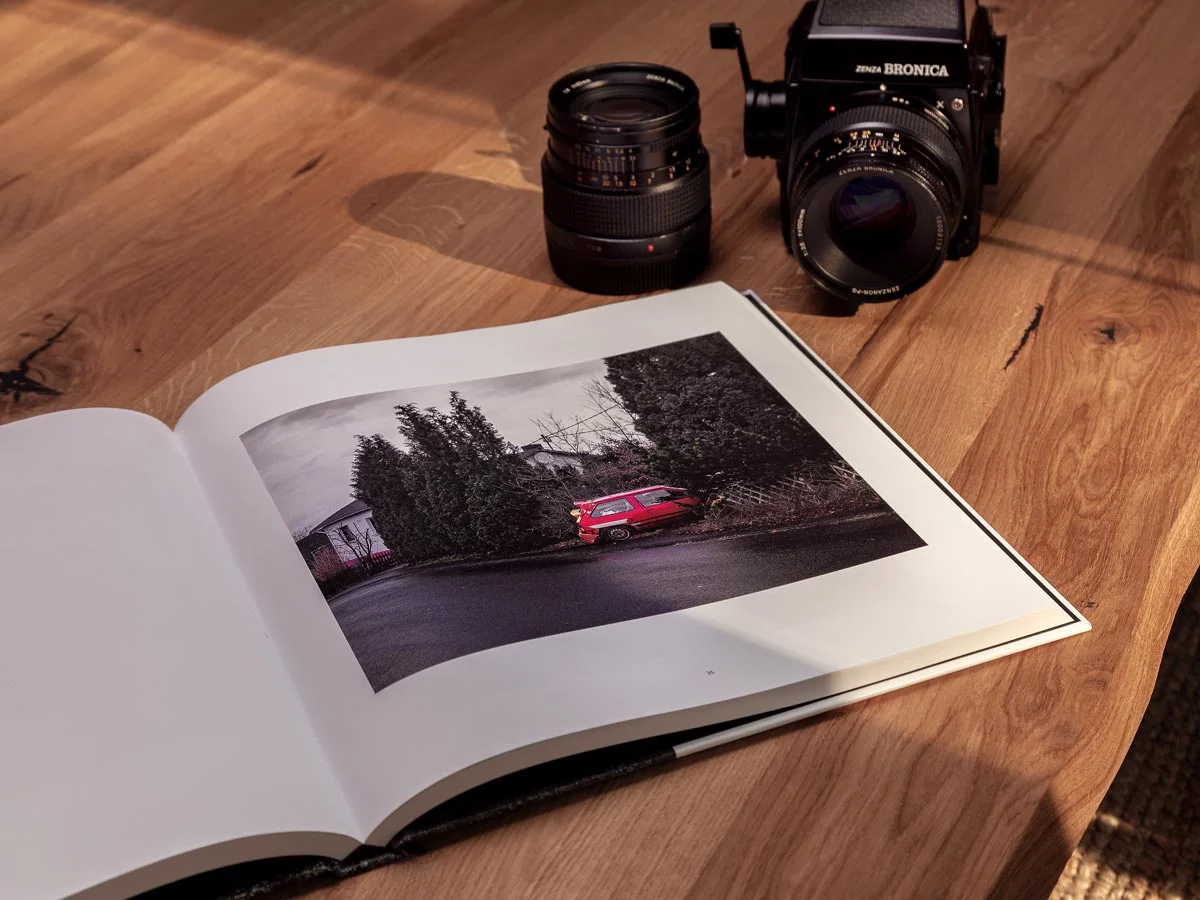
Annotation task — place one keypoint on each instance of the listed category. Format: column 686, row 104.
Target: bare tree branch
column 359, row 543
column 603, row 422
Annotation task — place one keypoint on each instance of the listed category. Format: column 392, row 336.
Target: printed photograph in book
column 442, row 521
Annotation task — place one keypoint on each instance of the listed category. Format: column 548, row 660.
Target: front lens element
column 611, row 104
column 872, row 214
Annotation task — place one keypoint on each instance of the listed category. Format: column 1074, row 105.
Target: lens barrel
column 625, row 179
column 875, row 194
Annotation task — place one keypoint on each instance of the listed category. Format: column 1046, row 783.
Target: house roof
column 313, row 541
column 530, row 450
column 353, row 508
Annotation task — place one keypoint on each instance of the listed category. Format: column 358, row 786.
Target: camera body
column 885, row 129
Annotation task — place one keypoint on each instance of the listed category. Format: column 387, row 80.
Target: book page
column 484, row 550
column 149, row 726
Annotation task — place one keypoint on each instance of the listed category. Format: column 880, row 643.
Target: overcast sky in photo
column 305, row 456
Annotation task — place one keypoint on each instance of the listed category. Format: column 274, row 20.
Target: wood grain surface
column 188, row 187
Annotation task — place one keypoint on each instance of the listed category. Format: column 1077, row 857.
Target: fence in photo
column 333, row 574
column 818, row 488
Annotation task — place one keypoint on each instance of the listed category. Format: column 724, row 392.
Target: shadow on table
column 1181, row 278
column 1145, row 838
column 457, row 57
column 452, row 72
column 952, row 820
column 941, row 831
column 465, row 218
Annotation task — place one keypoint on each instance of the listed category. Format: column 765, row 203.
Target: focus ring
column 626, row 214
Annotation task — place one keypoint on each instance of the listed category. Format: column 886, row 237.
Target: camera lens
column 625, row 181
column 875, row 194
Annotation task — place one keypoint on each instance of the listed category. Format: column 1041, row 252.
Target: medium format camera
column 884, row 129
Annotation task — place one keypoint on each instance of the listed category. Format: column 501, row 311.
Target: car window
column 653, row 498
column 612, row 507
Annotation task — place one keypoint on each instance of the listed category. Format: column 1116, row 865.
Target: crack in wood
column 309, row 166
column 1030, row 330
column 10, row 182
column 1109, row 331
column 17, row 381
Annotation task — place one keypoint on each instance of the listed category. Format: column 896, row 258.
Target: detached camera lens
column 625, row 181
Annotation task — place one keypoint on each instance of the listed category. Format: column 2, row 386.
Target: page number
column 710, row 672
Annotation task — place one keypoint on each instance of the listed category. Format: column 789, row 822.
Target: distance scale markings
column 617, row 179
column 866, row 141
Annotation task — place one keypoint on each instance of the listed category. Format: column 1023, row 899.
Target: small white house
column 537, row 455
column 352, row 532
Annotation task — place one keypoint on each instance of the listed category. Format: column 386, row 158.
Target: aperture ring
column 626, row 214
column 604, row 156
column 928, row 135
column 611, row 178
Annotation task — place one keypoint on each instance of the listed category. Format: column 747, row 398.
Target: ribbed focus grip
column 626, row 213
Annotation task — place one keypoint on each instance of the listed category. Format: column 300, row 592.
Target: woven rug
column 1144, row 843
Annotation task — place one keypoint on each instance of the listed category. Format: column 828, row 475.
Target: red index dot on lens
column 649, row 248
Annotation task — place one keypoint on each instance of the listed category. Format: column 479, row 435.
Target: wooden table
column 191, row 186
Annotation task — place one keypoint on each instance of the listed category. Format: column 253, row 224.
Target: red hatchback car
column 618, row 516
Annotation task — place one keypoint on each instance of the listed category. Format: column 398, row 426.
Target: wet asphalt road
column 408, row 621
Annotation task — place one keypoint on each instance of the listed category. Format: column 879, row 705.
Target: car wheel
column 618, row 533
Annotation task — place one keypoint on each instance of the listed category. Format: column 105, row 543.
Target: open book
column 356, row 582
